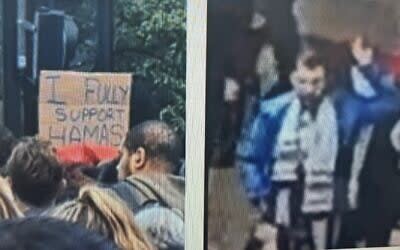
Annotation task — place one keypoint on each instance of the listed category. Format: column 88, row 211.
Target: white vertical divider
column 195, row 123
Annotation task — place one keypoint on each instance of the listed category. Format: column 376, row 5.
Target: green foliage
column 150, row 41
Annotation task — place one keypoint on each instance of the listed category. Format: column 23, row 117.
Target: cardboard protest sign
column 84, row 107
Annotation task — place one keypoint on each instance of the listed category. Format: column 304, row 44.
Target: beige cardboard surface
column 79, row 107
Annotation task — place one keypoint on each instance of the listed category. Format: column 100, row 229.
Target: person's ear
column 138, row 159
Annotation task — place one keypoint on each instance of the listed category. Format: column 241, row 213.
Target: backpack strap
column 151, row 196
column 147, row 192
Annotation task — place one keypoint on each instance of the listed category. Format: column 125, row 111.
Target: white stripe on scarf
column 314, row 144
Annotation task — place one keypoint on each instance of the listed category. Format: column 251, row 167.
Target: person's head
column 36, row 233
column 8, row 208
column 309, row 78
column 101, row 210
column 7, row 143
column 151, row 146
column 35, row 175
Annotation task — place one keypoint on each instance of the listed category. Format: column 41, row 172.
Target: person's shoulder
column 178, row 182
column 128, row 192
column 277, row 104
column 166, row 225
column 122, row 188
column 156, row 179
column 176, row 178
column 123, row 185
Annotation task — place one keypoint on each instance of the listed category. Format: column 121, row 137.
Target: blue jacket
column 254, row 152
column 255, row 148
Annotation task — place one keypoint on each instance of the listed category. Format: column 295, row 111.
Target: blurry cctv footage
column 303, row 124
column 92, row 124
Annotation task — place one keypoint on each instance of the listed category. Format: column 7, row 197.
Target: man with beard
column 287, row 156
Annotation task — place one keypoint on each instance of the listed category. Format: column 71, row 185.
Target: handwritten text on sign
column 84, row 107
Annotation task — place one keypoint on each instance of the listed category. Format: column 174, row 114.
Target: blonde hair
column 8, row 208
column 100, row 210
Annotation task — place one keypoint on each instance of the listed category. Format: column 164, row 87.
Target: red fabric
column 87, row 154
column 103, row 152
column 394, row 62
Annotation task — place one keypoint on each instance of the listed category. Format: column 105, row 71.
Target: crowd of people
column 320, row 159
column 132, row 201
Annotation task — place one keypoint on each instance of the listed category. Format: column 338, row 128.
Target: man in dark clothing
column 149, row 156
column 380, row 187
column 370, row 110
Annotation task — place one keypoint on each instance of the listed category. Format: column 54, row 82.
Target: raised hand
column 363, row 56
column 232, row 90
